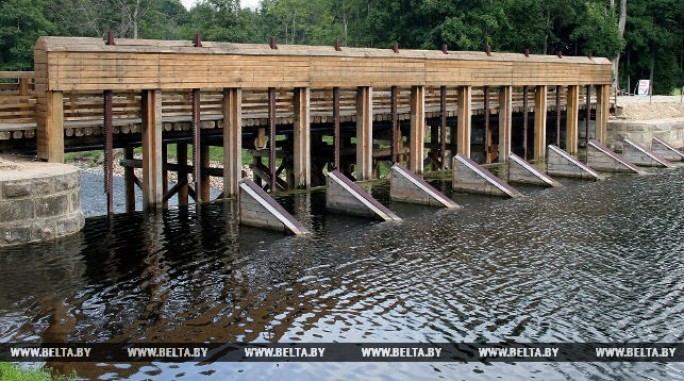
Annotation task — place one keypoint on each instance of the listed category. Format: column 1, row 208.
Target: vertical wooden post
column 152, row 140
column 205, row 186
column 337, row 132
column 302, row 137
column 505, row 122
column 272, row 146
column 50, row 121
column 602, row 111
column 108, row 132
column 464, row 120
column 364, row 133
column 488, row 127
column 539, row 122
column 182, row 155
column 588, row 113
column 443, row 128
column 197, row 144
column 129, row 174
column 396, row 132
column 24, row 86
column 558, row 116
column 232, row 141
column 417, row 134
column 572, row 119
column 165, row 174
column 526, row 124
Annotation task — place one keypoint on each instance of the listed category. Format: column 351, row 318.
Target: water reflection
column 594, row 262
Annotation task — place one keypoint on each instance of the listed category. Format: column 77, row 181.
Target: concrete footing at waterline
column 258, row 209
column 665, row 150
column 343, row 196
column 38, row 201
column 408, row 187
column 520, row 171
column 471, row 177
column 601, row 158
column 562, row 164
column 640, row 155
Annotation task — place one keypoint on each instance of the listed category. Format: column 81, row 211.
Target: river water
column 588, row 262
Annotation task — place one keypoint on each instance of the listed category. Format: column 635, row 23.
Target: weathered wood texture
column 364, row 133
column 74, row 63
column 540, row 100
column 152, row 141
column 572, row 119
column 232, row 141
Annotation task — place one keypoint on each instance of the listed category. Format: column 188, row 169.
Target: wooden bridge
column 346, row 108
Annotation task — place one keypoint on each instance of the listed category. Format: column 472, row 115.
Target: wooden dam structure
column 298, row 111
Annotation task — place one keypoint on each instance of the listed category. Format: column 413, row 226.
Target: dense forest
column 646, row 40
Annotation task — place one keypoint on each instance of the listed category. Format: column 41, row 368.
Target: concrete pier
column 344, row 196
column 602, row 158
column 38, row 201
column 640, row 155
column 258, row 209
column 473, row 178
column 408, row 187
column 520, row 171
column 666, row 150
column 562, row 164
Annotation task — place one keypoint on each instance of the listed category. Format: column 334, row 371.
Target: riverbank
column 11, row 372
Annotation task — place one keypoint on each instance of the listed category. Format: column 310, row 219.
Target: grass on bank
column 11, row 372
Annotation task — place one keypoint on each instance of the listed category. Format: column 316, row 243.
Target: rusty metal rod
column 586, row 125
column 196, row 140
column 525, row 122
column 129, row 175
column 558, row 116
column 488, row 127
column 109, row 149
column 272, row 135
column 443, row 114
column 395, row 124
column 336, row 118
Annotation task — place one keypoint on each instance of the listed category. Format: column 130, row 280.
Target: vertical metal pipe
column 488, row 127
column 588, row 118
column 196, row 141
column 443, row 114
column 129, row 175
column 165, row 174
column 336, row 118
column 525, row 122
column 272, row 136
column 109, row 149
column 395, row 124
column 558, row 116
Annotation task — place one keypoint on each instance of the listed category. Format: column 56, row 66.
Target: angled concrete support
column 408, row 187
column 302, row 137
column 343, row 196
column 665, row 150
column 562, row 164
column 473, row 178
column 364, row 133
column 464, row 120
column 640, row 155
column 417, row 135
column 258, row 209
column 520, row 171
column 602, row 158
column 539, row 122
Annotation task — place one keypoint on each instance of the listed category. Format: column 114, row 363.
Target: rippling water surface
column 588, row 262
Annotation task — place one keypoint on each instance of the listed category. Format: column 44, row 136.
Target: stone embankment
column 640, row 119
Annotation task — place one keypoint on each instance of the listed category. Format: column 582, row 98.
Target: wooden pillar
column 151, row 110
column 165, row 174
column 205, row 186
column 539, row 122
column 464, row 120
column 572, row 120
column 364, row 133
column 50, row 121
column 443, row 128
column 129, row 175
column 396, row 131
column 197, row 145
column 232, row 141
column 302, row 137
column 505, row 122
column 182, row 155
column 526, row 124
column 488, row 127
column 272, row 145
column 417, row 134
column 602, row 111
column 24, row 86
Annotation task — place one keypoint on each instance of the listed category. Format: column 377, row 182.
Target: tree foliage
column 653, row 37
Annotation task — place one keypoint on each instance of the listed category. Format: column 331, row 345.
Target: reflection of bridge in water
column 353, row 109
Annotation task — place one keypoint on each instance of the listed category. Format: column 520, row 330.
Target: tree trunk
column 622, row 23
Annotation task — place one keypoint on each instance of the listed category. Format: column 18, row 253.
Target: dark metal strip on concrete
column 408, row 187
column 601, row 157
column 521, row 171
column 666, row 150
column 472, row 177
column 344, row 196
column 640, row 155
column 561, row 163
column 258, row 209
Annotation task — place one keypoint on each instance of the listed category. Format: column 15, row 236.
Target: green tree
column 21, row 23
